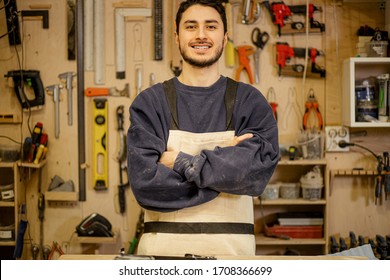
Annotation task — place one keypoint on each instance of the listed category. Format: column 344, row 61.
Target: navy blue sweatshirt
column 195, row 180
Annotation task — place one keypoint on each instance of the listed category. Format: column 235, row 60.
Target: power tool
column 28, row 79
column 280, row 12
column 285, row 53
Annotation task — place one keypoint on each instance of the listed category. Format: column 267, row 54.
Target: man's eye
column 189, row 27
column 211, row 27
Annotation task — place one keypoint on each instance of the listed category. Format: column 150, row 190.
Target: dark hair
column 217, row 5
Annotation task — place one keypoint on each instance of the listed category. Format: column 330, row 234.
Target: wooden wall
column 46, row 51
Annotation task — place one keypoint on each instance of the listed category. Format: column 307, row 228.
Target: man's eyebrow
column 206, row 21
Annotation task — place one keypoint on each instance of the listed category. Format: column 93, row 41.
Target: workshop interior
column 71, row 68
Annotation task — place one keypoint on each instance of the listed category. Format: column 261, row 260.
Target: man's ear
column 225, row 39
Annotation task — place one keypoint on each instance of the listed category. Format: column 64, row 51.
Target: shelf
column 348, row 172
column 8, row 243
column 7, row 203
column 98, row 240
column 264, row 240
column 300, row 162
column 32, row 165
column 281, row 201
column 356, row 69
column 62, row 196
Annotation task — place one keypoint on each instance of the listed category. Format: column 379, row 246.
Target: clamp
column 243, row 55
column 312, row 104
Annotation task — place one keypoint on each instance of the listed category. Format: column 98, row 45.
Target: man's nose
column 201, row 32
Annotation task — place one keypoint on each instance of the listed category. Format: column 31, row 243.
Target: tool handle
column 91, row 92
column 122, row 200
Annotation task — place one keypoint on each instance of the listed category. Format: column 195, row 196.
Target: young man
column 199, row 147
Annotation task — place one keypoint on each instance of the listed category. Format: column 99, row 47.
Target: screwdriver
column 378, row 181
column 387, row 174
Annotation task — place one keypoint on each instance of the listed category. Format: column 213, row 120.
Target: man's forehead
column 207, row 14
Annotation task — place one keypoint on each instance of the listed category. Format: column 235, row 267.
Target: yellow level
column 100, row 159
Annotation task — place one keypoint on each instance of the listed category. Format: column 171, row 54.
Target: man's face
column 201, row 37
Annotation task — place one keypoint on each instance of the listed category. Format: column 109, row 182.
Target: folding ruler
column 158, row 30
column 100, row 159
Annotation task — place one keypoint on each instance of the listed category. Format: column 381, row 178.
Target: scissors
column 259, row 39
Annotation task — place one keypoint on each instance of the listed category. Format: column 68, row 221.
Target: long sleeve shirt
column 244, row 169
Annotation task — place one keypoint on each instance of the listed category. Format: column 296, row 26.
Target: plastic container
column 271, row 191
column 290, row 190
column 377, row 49
column 312, row 184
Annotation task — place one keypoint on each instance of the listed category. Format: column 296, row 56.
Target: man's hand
column 239, row 139
column 168, row 158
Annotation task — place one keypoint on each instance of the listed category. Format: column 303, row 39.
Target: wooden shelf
column 264, row 240
column 98, row 240
column 8, row 243
column 62, row 196
column 348, row 172
column 299, row 201
column 7, row 203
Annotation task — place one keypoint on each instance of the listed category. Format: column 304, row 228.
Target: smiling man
column 200, row 146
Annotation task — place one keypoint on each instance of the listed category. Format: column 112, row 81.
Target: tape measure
column 158, row 30
column 100, row 159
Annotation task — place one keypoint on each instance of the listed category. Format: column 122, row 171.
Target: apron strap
column 198, row 228
column 170, row 92
column 230, row 98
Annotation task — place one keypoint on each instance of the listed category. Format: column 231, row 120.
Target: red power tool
column 280, row 12
column 285, row 53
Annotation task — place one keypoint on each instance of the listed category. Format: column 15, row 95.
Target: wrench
column 68, row 78
column 55, row 91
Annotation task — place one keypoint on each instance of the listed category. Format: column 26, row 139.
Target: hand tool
column 81, row 147
column 243, row 54
column 54, row 90
column 259, row 39
column 138, row 232
column 152, row 79
column 100, row 159
column 343, row 244
column 112, row 91
column 68, row 78
column 378, row 180
column 271, row 97
column 229, row 49
column 120, row 15
column 334, row 246
column 280, row 12
column 138, row 79
column 285, row 53
column 312, row 107
column 55, row 248
column 361, row 240
column 121, row 157
column 158, row 30
column 137, row 32
column 292, row 107
column 71, row 24
column 382, row 248
column 12, row 20
column 25, row 79
column 352, row 240
column 387, row 174
column 99, row 42
column 41, row 148
column 250, row 11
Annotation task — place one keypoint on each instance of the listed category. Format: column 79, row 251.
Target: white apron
column 225, row 208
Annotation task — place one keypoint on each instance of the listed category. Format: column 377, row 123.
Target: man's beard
column 202, row 63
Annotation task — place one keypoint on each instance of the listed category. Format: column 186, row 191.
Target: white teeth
column 201, row 47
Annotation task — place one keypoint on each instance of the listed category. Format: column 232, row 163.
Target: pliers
column 312, row 104
column 243, row 56
column 55, row 247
